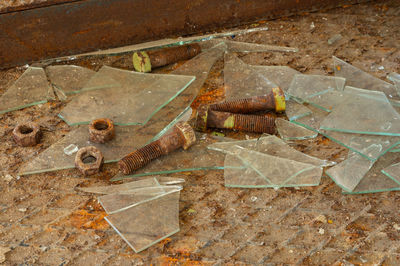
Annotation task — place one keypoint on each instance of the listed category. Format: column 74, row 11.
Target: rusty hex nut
column 27, row 134
column 101, row 130
column 88, row 160
column 189, row 137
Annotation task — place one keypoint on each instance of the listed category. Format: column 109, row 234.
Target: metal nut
column 101, row 130
column 88, row 160
column 27, row 134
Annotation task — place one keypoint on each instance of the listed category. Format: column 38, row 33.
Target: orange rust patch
column 82, row 219
column 208, row 97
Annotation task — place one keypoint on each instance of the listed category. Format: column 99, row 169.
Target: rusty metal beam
column 88, row 25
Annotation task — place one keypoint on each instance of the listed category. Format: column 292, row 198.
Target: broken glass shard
column 290, row 131
column 296, row 110
column 70, row 149
column 129, row 138
column 335, row 38
column 270, row 145
column 363, row 114
column 243, row 81
column 355, row 77
column 138, row 97
column 147, row 182
column 245, row 47
column 69, row 79
column 351, row 171
column 262, row 170
column 147, row 216
column 374, row 180
column 31, row 88
column 317, row 90
column 393, row 172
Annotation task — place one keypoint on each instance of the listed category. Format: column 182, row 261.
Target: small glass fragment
column 70, row 149
column 290, row 131
column 31, row 88
column 395, row 78
column 335, row 38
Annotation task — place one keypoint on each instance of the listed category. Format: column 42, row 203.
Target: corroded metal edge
column 78, row 27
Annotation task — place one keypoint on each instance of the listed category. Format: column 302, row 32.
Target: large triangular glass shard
column 351, row 171
column 296, row 110
column 246, row 47
column 129, row 138
column 270, row 145
column 393, row 172
column 31, row 88
column 243, row 80
column 147, row 182
column 144, row 223
column 291, row 131
column 69, row 79
column 317, row 90
column 363, row 114
column 374, row 180
column 355, row 77
column 275, row 171
column 196, row 158
column 134, row 102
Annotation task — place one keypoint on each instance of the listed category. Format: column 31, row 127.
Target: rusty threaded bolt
column 182, row 135
column 275, row 100
column 146, row 61
column 252, row 123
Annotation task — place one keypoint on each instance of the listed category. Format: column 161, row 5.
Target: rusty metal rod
column 146, row 61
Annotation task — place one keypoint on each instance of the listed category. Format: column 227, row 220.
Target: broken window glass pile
column 268, row 162
column 364, row 120
column 128, row 138
column 142, row 212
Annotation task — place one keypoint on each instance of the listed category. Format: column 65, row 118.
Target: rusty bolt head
column 88, row 160
column 188, row 134
column 27, row 134
column 101, row 130
column 201, row 118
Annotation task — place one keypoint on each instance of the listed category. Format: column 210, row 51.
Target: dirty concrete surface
column 45, row 221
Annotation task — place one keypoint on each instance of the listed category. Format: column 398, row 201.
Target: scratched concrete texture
column 45, row 221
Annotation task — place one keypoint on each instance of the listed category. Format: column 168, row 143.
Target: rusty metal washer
column 27, row 134
column 89, row 168
column 101, row 130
